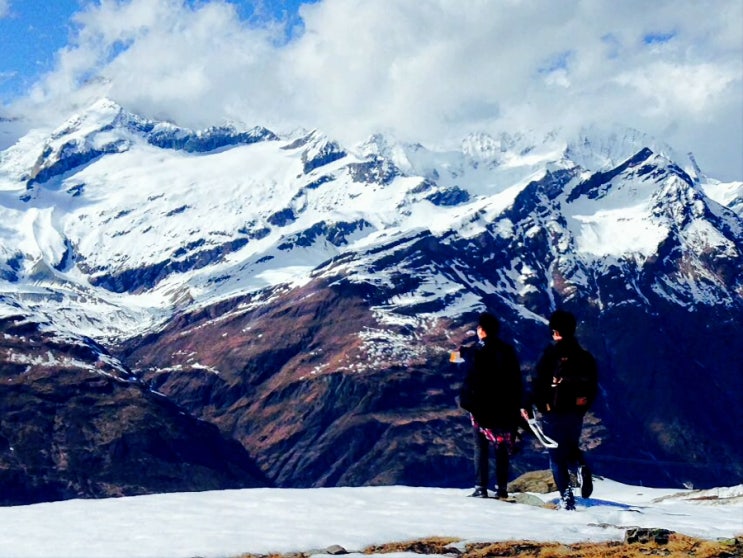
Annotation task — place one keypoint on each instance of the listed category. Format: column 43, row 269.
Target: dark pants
column 482, row 461
column 565, row 429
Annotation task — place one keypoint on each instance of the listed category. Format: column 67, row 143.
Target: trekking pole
column 536, row 427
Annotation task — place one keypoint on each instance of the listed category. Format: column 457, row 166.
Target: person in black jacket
column 492, row 393
column 564, row 388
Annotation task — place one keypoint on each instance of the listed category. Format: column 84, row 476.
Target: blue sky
column 32, row 31
column 23, row 58
column 429, row 71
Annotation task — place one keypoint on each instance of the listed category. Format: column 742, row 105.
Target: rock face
column 323, row 395
column 308, row 421
column 73, row 425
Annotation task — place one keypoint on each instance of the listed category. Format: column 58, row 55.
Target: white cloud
column 430, row 71
column 677, row 90
column 4, row 8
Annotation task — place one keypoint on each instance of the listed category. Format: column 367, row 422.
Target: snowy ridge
column 727, row 194
column 113, row 211
column 598, row 149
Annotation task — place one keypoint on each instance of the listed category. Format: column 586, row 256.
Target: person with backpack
column 492, row 392
column 563, row 389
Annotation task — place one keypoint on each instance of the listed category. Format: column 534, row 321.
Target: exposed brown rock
column 74, row 425
column 540, row 482
column 676, row 546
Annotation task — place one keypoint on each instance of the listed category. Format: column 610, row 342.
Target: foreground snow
column 231, row 522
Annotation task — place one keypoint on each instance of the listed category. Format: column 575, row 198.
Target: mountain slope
column 303, row 296
column 75, row 423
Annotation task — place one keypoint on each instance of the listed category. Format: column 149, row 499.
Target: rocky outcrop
column 295, row 383
column 74, row 424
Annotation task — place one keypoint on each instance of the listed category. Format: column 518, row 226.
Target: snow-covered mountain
column 172, row 248
column 114, row 212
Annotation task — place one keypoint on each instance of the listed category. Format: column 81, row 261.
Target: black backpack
column 574, row 382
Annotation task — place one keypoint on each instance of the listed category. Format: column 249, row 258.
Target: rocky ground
column 638, row 543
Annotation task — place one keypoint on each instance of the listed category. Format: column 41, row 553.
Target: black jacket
column 566, row 378
column 492, row 389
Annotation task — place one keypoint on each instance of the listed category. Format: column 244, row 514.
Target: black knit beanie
column 489, row 323
column 563, row 322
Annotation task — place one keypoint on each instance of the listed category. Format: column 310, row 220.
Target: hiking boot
column 501, row 494
column 480, row 492
column 567, row 501
column 585, row 481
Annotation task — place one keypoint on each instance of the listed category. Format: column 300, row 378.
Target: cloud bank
column 431, row 70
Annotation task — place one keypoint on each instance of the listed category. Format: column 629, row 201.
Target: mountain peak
column 481, row 146
column 101, row 114
column 598, row 148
